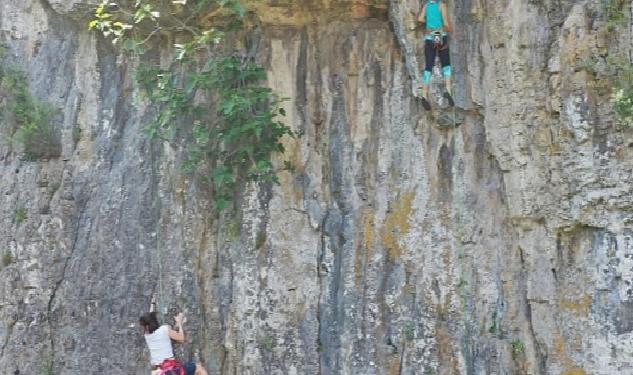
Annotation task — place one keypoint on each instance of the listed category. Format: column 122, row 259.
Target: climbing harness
column 171, row 367
column 438, row 40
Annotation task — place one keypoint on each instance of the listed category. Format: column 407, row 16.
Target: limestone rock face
column 503, row 246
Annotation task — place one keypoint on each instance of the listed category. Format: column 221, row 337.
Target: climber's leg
column 200, row 370
column 193, row 368
column 445, row 59
column 426, row 79
column 429, row 57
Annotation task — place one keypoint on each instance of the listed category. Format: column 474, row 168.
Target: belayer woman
column 158, row 338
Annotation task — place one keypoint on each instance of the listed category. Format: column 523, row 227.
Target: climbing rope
column 458, row 203
column 163, row 305
column 162, row 308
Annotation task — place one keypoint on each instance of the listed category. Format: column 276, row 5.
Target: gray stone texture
column 504, row 246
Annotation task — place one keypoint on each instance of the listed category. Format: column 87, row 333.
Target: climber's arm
column 447, row 21
column 422, row 14
column 179, row 334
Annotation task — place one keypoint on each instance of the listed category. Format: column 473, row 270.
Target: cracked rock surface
column 504, row 246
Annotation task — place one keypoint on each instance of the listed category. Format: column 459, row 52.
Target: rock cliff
column 397, row 246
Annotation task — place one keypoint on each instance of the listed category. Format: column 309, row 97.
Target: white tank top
column 159, row 345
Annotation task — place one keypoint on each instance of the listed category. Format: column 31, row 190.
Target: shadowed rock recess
column 395, row 247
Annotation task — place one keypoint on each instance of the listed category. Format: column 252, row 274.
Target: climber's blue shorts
column 190, row 368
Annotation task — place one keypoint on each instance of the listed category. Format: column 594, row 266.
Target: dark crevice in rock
column 225, row 306
column 57, row 284
column 8, row 334
column 337, row 228
column 302, row 78
column 333, row 317
column 396, row 11
column 370, row 167
column 524, row 301
column 541, row 354
column 445, row 171
column 322, row 272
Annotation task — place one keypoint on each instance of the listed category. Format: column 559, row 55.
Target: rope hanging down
column 458, row 203
column 162, row 308
column 163, row 305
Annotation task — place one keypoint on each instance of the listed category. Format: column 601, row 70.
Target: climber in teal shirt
column 435, row 15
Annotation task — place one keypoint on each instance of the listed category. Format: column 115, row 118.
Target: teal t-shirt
column 434, row 19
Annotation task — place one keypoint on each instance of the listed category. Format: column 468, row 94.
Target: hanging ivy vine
column 617, row 14
column 230, row 120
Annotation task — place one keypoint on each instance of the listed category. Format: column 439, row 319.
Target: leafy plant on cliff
column 622, row 95
column 7, row 258
column 518, row 348
column 620, row 70
column 228, row 142
column 623, row 105
column 409, row 331
column 48, row 367
column 20, row 214
column 32, row 117
column 615, row 12
column 493, row 325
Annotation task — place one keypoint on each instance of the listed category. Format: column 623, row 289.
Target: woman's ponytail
column 149, row 321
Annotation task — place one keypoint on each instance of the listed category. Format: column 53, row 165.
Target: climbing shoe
column 419, row 92
column 425, row 103
column 449, row 98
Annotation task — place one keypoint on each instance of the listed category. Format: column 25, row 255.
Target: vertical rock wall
column 396, row 247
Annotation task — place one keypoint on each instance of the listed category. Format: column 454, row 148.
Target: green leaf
column 237, row 7
column 222, row 175
column 191, row 83
column 129, row 45
column 220, row 203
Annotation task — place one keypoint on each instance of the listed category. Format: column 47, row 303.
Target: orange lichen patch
column 365, row 246
column 554, row 148
column 294, row 145
column 577, row 38
column 574, row 371
column 394, row 365
column 513, row 310
column 560, row 352
column 408, row 287
column 359, row 10
column 446, row 353
column 543, row 138
column 300, row 12
column 299, row 167
column 446, row 257
column 576, row 344
column 444, row 307
column 368, row 228
column 396, row 224
column 578, row 307
column 286, row 178
column 180, row 188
